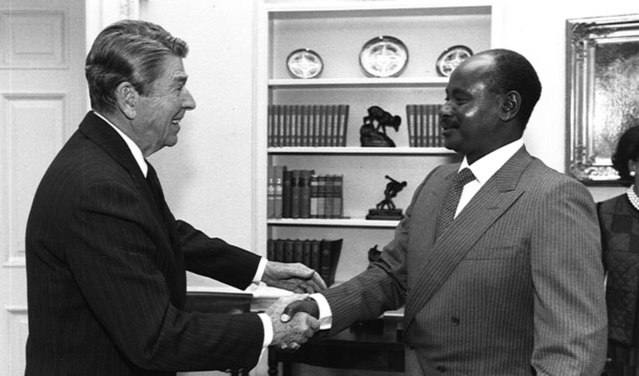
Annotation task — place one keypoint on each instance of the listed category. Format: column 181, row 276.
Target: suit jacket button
column 455, row 321
column 441, row 368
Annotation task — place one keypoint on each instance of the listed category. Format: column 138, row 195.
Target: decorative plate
column 451, row 58
column 383, row 56
column 304, row 63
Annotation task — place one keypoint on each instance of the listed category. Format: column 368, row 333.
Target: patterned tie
column 447, row 213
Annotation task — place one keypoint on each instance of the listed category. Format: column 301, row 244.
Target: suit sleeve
column 569, row 308
column 215, row 258
column 381, row 287
column 114, row 255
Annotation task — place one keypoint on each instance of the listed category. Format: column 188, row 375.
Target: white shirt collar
column 135, row 150
column 485, row 167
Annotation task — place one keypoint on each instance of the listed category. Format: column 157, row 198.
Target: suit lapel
column 108, row 139
column 492, row 200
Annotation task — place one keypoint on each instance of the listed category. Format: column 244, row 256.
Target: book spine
column 278, row 191
column 286, row 194
column 270, row 249
column 328, row 202
column 303, row 128
column 312, row 116
column 410, row 122
column 295, row 193
column 336, row 249
column 316, row 253
column 342, row 115
column 288, row 250
column 338, row 200
column 270, row 125
column 276, row 126
column 321, row 196
column 306, row 252
column 305, row 193
column 297, row 126
column 279, row 250
column 270, row 192
column 325, row 261
column 314, row 196
column 298, row 250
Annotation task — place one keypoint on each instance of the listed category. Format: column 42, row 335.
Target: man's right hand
column 296, row 330
column 308, row 305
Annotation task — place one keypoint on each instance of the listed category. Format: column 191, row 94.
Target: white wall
column 208, row 175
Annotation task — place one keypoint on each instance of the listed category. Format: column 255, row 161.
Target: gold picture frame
column 603, row 92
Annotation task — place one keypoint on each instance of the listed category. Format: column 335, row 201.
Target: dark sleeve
column 215, row 258
column 120, row 267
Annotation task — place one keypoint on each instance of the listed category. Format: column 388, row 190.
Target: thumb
column 307, row 305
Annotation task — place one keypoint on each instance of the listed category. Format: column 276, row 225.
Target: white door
column 42, row 100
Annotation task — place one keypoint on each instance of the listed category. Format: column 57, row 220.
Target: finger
column 291, row 309
column 318, row 282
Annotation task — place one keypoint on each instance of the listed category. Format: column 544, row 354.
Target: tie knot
column 464, row 176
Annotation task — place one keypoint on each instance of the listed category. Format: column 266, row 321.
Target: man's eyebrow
column 180, row 78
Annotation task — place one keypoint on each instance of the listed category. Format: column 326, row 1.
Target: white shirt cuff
column 268, row 329
column 259, row 273
column 325, row 314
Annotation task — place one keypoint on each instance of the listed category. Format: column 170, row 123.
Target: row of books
column 307, row 125
column 423, row 125
column 294, row 193
column 320, row 255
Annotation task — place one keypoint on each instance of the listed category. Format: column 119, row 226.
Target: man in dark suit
column 505, row 279
column 106, row 259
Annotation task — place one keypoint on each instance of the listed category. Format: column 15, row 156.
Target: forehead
column 172, row 72
column 472, row 72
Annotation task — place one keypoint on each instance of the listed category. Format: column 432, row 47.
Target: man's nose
column 188, row 102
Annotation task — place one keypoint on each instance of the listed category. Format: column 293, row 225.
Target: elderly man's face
column 470, row 115
column 161, row 110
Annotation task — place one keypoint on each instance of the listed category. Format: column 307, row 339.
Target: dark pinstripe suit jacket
column 515, row 282
column 105, row 273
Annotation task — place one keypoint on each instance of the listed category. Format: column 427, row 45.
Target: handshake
column 295, row 319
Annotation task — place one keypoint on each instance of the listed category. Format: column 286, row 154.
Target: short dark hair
column 627, row 150
column 512, row 71
column 128, row 51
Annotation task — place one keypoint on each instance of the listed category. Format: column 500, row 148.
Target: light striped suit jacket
column 514, row 287
column 106, row 278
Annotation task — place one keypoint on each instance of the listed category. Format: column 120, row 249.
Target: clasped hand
column 292, row 323
column 292, row 329
column 294, row 277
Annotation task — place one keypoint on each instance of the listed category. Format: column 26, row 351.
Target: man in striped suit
column 106, row 259
column 512, row 283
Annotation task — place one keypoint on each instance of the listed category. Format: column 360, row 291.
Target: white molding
column 56, row 103
column 35, row 53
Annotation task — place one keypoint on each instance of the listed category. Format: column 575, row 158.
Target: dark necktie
column 156, row 188
column 447, row 213
column 178, row 279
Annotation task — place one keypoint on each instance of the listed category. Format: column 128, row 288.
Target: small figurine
column 386, row 209
column 373, row 131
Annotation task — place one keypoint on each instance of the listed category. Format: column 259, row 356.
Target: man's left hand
column 294, row 277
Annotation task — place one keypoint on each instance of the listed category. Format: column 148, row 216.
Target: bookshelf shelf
column 333, row 222
column 355, row 150
column 350, row 83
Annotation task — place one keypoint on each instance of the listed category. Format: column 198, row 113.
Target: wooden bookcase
column 337, row 31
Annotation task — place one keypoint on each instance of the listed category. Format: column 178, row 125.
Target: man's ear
column 510, row 106
column 127, row 99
